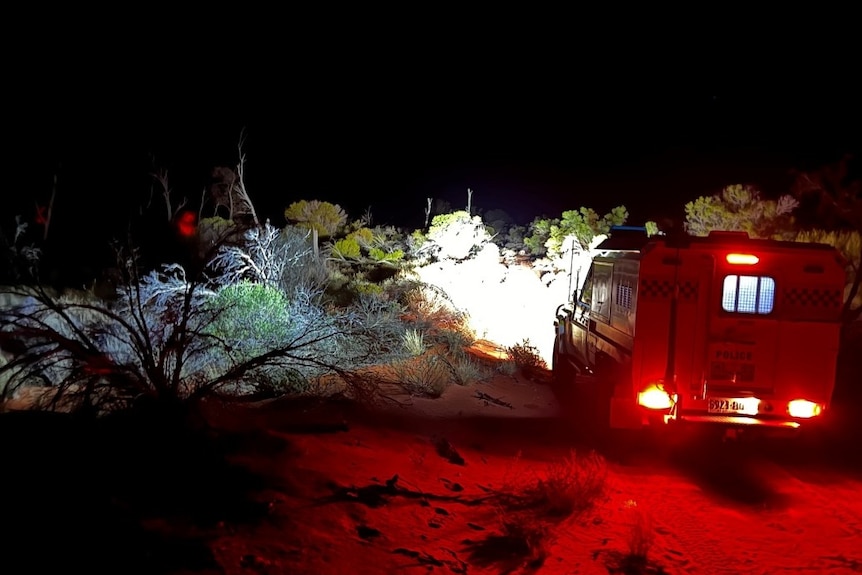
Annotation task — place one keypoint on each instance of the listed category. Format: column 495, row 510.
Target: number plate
column 733, row 405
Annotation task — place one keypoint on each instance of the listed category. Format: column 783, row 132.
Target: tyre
column 561, row 369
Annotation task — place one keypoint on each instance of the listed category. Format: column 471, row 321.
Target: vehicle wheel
column 601, row 394
column 561, row 369
column 565, row 383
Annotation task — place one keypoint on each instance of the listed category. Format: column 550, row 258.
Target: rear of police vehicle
column 735, row 331
column 722, row 330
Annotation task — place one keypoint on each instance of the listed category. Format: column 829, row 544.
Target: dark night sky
column 525, row 152
column 377, row 128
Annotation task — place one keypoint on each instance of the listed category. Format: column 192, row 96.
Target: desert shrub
column 365, row 246
column 381, row 256
column 363, row 287
column 415, row 243
column 414, row 342
column 526, row 356
column 455, row 341
column 253, row 317
column 430, row 306
column 426, row 376
column 345, row 249
column 522, row 538
column 565, row 487
column 508, row 367
column 572, row 484
column 363, row 236
column 467, row 370
column 378, row 319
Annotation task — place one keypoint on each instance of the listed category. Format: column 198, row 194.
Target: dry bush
column 467, row 370
column 567, row 487
column 521, row 545
column 529, row 504
column 509, row 368
column 456, row 341
column 639, row 541
column 525, row 537
column 425, row 376
column 641, row 537
column 526, row 356
column 430, row 306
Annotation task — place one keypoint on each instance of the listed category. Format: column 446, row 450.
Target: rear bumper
column 627, row 414
column 742, row 421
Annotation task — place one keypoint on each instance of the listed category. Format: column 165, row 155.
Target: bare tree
column 161, row 177
column 228, row 190
column 239, row 186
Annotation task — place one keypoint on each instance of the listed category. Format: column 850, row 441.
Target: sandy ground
column 415, row 485
column 385, row 495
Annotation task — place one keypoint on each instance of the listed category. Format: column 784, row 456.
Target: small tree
column 325, row 217
column 742, row 208
column 548, row 236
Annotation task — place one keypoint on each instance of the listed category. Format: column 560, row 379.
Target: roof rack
column 628, row 229
column 728, row 235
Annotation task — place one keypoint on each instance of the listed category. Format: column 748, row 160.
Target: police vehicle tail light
column 654, row 396
column 804, row 409
column 743, row 259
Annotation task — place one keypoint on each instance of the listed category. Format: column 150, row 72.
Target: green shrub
column 378, row 255
column 361, row 287
column 363, row 236
column 253, row 318
column 346, row 249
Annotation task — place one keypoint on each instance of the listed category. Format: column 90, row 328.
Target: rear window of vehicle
column 748, row 294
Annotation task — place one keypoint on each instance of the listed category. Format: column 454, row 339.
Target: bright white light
column 803, row 408
column 750, row 405
column 654, row 397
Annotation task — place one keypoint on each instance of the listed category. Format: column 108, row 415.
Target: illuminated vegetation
column 549, row 234
column 324, row 217
column 261, row 310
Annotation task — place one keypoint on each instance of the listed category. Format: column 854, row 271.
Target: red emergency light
column 742, row 259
